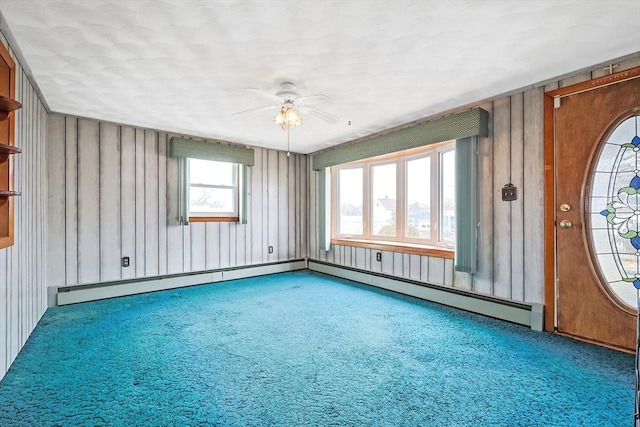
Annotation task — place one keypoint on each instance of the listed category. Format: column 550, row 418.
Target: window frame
column 234, row 216
column 367, row 239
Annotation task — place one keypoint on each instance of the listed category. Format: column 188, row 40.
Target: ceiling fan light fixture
column 288, row 117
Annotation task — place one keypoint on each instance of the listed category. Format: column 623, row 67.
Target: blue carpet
column 301, row 349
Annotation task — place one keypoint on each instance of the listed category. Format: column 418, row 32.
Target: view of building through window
column 418, row 219
column 383, row 203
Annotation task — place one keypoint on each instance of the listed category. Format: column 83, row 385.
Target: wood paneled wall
column 23, row 291
column 510, row 240
column 114, row 192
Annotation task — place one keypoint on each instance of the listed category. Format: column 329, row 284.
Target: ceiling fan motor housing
column 287, row 91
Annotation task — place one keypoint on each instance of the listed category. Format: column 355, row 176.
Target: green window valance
column 469, row 123
column 192, row 149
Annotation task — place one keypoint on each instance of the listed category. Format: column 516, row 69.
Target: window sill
column 407, row 248
column 213, row 219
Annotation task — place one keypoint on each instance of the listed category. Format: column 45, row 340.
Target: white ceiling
column 183, row 66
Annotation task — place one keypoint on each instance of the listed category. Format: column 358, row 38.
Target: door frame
column 550, row 274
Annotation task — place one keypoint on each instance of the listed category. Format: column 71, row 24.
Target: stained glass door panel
column 615, row 212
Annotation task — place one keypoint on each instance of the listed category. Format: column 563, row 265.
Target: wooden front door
column 587, row 308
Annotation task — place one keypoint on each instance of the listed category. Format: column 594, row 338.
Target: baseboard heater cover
column 522, row 313
column 98, row 291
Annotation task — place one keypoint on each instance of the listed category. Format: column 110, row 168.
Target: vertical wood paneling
column 186, row 248
column 173, row 229
column 501, row 209
column 140, row 230
column 436, row 271
column 398, row 264
column 241, row 244
column 256, row 217
column 292, row 202
column 248, row 246
column 312, row 185
column 224, row 245
column 109, row 215
column 233, row 243
column 272, row 203
column 212, row 247
column 462, row 281
column 298, row 199
column 305, row 213
column 283, row 205
column 517, row 206
column 335, row 254
column 448, row 272
column 198, row 248
column 139, row 218
column 424, row 268
column 330, row 255
column 265, row 205
column 533, row 183
column 414, row 267
column 375, row 266
column 387, row 262
column 360, row 261
column 162, row 203
column 88, row 201
column 71, row 198
column 56, row 217
column 483, row 278
column 151, row 198
column 128, row 200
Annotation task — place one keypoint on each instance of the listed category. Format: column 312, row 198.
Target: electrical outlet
column 379, row 256
column 270, row 249
column 125, row 261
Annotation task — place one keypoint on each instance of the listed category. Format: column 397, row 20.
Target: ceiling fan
column 286, row 99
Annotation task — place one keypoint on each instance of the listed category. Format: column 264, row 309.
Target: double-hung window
column 212, row 180
column 406, row 197
column 213, row 189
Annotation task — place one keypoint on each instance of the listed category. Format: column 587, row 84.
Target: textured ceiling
column 183, row 66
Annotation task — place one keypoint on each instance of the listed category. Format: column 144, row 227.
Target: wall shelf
column 9, row 149
column 8, row 105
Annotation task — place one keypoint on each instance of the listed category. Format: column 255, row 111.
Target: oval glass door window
column 615, row 211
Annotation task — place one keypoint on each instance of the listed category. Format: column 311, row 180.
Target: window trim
column 434, row 246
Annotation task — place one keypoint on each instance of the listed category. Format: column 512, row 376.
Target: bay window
column 407, row 197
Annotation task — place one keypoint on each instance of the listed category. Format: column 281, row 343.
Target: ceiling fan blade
column 312, row 99
column 330, row 118
column 264, row 93
column 266, row 107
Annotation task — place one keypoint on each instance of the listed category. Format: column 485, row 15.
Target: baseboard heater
column 98, row 291
column 522, row 313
